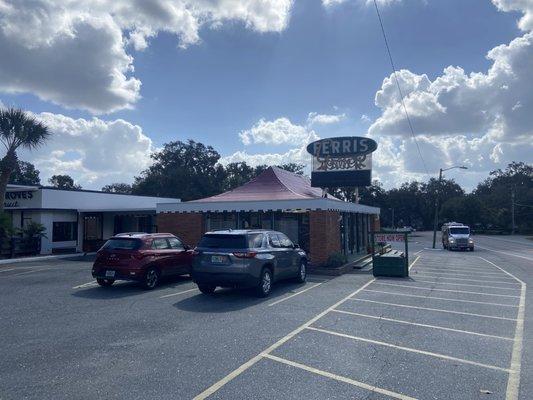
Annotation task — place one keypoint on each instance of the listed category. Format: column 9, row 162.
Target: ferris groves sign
column 342, row 161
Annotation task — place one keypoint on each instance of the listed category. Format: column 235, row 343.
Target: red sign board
column 389, row 237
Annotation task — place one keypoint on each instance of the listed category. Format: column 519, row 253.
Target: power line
column 399, row 87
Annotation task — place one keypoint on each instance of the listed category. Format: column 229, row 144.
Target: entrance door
column 92, row 232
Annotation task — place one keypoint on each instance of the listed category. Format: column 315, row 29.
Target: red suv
column 142, row 257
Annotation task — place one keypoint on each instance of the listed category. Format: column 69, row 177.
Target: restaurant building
column 279, row 200
column 79, row 220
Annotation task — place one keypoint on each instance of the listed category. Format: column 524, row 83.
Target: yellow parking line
column 467, row 284
column 513, row 384
column 435, row 309
column 228, row 378
column 463, row 279
column 340, row 378
column 447, row 290
column 295, row 294
column 442, row 298
column 178, row 293
column 400, row 321
column 410, row 349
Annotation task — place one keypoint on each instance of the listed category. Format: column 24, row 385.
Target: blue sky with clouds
column 259, row 79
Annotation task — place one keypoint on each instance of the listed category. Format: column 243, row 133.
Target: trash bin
column 391, row 264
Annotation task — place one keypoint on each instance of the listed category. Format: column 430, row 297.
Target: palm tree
column 17, row 129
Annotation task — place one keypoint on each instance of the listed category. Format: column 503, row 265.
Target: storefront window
column 64, row 231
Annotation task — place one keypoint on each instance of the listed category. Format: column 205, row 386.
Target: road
column 459, row 328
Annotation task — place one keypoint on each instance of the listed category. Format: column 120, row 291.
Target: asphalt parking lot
column 458, row 328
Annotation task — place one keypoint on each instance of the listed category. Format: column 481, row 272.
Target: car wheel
column 151, row 278
column 265, row 283
column 105, row 282
column 207, row 289
column 302, row 273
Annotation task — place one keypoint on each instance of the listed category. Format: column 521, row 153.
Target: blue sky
column 328, row 60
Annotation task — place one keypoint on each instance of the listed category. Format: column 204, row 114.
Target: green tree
column 25, row 174
column 18, row 129
column 63, row 182
column 124, row 188
column 186, row 170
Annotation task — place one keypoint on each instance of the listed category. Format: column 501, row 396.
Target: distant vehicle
column 408, row 229
column 456, row 236
column 247, row 258
column 141, row 257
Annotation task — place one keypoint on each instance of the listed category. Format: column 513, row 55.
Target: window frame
column 74, row 231
column 181, row 245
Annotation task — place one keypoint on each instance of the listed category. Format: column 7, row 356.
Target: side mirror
column 186, row 247
column 296, row 246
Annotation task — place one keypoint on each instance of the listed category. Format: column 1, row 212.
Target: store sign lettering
column 12, row 198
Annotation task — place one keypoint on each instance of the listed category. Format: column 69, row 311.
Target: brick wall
column 325, row 236
column 188, row 226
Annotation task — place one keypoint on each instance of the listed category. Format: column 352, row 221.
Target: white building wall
column 47, row 218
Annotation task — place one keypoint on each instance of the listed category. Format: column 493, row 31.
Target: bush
column 336, row 260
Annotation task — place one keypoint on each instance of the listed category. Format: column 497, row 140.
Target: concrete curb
column 42, row 258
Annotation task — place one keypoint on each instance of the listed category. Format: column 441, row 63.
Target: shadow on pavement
column 122, row 289
column 228, row 300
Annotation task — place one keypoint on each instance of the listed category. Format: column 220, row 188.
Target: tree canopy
column 124, row 188
column 63, row 182
column 25, row 173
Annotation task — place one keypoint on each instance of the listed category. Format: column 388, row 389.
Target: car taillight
column 249, row 254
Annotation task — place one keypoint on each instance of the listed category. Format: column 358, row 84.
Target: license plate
column 110, row 274
column 218, row 259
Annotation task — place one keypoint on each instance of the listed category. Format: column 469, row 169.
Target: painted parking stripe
column 30, row 272
column 446, row 290
column 294, row 294
column 462, row 276
column 228, row 378
column 466, row 284
column 462, row 270
column 178, row 293
column 434, row 309
column 508, row 254
column 6, row 270
column 400, row 321
column 409, row 349
column 465, row 280
column 83, row 285
column 513, row 384
column 339, row 378
column 442, row 298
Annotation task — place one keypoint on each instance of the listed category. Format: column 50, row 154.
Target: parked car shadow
column 126, row 289
column 228, row 300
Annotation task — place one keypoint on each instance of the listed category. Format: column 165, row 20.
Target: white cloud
column 75, row 53
column 524, row 6
column 324, row 119
column 94, row 152
column 279, row 131
column 333, row 3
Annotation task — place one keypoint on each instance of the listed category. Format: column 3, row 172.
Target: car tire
column 302, row 273
column 207, row 289
column 105, row 282
column 151, row 278
column 265, row 283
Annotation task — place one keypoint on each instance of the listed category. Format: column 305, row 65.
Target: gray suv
column 246, row 258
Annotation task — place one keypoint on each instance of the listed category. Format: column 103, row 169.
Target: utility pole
column 435, row 222
column 512, row 212
column 392, row 216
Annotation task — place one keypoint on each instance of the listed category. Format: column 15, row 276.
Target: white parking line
column 435, row 309
column 228, row 378
column 83, row 285
column 462, row 276
column 295, row 294
column 466, row 280
column 467, row 284
column 409, row 349
column 5, row 270
column 508, row 254
column 400, row 321
column 513, row 384
column 340, row 378
column 178, row 293
column 29, row 272
column 461, row 270
column 442, row 298
column 447, row 290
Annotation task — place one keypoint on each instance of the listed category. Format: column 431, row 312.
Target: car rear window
column 460, row 231
column 122, row 244
column 221, row 241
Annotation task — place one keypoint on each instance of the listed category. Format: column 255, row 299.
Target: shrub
column 336, row 260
